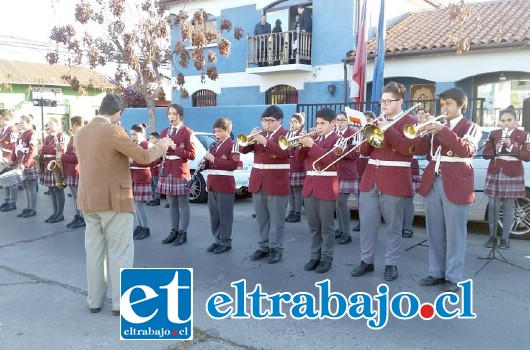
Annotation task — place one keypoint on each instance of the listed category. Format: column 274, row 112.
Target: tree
column 137, row 39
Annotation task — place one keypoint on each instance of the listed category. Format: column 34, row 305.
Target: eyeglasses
column 268, row 121
column 341, row 120
column 387, row 102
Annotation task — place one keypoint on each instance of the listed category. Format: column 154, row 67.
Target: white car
column 478, row 210
column 198, row 193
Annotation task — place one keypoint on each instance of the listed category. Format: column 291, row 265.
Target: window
column 281, row 94
column 204, row 98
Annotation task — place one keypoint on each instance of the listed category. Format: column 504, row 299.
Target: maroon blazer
column 142, row 175
column 457, row 177
column 323, row 187
column 185, row 150
column 297, row 166
column 48, row 148
column 25, row 149
column 347, row 166
column 274, row 182
column 69, row 159
column 391, row 180
column 520, row 149
column 8, row 137
column 155, row 167
column 226, row 159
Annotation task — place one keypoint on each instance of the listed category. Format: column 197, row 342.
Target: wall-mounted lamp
column 502, row 77
column 331, row 89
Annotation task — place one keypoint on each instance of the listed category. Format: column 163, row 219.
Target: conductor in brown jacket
column 105, row 196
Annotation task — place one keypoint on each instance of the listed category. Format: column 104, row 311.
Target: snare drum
column 12, row 177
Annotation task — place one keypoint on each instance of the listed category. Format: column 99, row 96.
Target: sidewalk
column 43, row 289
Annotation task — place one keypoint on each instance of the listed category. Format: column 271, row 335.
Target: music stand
column 492, row 255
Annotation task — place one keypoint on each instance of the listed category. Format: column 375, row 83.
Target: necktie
column 173, row 131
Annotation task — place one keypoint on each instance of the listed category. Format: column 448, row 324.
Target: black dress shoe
column 136, row 231
column 391, row 272
column 450, row 287
column 181, row 238
column 29, row 213
column 171, row 237
column 23, row 212
column 286, row 218
column 345, row 239
column 3, row 205
column 431, row 281
column 167, row 205
column 295, row 217
column 49, row 218
column 311, row 265
column 323, row 266
column 95, row 310
column 57, row 218
column 76, row 217
column 116, row 312
column 155, row 202
column 338, row 234
column 357, row 227
column 222, row 249
column 80, row 223
column 9, row 207
column 212, row 247
column 407, row 233
column 362, row 269
column 143, row 233
column 259, row 254
column 274, row 257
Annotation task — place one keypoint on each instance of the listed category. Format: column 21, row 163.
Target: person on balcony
column 261, row 29
column 277, row 42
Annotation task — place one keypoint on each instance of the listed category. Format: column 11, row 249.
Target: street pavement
column 43, row 289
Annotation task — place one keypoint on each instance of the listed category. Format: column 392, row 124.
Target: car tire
column 198, row 193
column 521, row 223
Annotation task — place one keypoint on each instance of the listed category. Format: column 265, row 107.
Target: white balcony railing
column 292, row 47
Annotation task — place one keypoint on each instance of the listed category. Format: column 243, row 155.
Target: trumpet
column 373, row 134
column 411, row 131
column 292, row 142
column 247, row 140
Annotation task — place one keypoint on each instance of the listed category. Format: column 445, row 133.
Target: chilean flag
column 358, row 80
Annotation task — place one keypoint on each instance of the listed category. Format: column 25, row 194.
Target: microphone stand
column 492, row 255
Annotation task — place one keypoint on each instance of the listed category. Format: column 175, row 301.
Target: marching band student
column 507, row 148
column 154, row 137
column 175, row 174
column 297, row 171
column 23, row 157
column 71, row 171
column 408, row 217
column 53, row 148
column 8, row 137
column 362, row 162
column 321, row 189
column 447, row 185
column 385, row 185
column 269, row 184
column 221, row 161
column 348, row 180
column 141, row 184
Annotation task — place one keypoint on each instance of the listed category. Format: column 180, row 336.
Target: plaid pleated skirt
column 349, row 186
column 31, row 173
column 72, row 180
column 502, row 186
column 297, row 179
column 47, row 178
column 141, row 192
column 174, row 186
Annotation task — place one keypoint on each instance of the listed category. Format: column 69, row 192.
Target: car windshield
column 206, row 140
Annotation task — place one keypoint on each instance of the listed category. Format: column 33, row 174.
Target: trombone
column 247, row 140
column 373, row 134
column 291, row 142
column 411, row 131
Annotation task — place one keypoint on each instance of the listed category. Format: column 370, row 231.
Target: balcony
column 279, row 52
